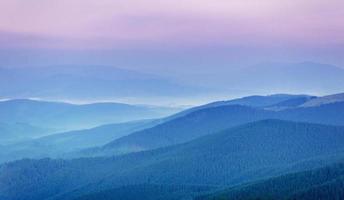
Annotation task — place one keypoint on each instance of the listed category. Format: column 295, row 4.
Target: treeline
column 325, row 183
column 149, row 192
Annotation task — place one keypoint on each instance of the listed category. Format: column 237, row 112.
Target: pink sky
column 108, row 23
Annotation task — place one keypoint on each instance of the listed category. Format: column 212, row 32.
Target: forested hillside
column 238, row 155
column 325, row 183
column 210, row 120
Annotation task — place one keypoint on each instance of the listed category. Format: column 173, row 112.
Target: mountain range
column 65, row 116
column 218, row 150
column 87, row 83
column 59, row 144
column 96, row 83
column 115, row 139
column 274, row 77
column 210, row 119
column 238, row 155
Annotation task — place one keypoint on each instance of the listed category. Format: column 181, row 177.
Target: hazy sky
column 155, row 32
column 125, row 23
column 195, row 40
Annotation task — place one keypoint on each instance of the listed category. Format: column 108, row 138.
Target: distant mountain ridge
column 65, row 116
column 107, row 82
column 14, row 132
column 56, row 145
column 256, row 101
column 300, row 77
column 335, row 98
column 87, row 82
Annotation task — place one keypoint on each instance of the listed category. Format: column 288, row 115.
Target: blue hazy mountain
column 104, row 82
column 322, row 183
column 63, row 116
column 277, row 101
column 87, row 82
column 291, row 103
column 325, row 100
column 183, row 129
column 11, row 133
column 238, row 155
column 94, row 136
column 212, row 119
column 261, row 101
column 273, row 77
column 56, row 145
column 174, row 132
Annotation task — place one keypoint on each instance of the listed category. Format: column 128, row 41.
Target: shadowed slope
column 246, row 153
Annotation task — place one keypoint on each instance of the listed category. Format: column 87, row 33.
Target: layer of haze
column 176, row 38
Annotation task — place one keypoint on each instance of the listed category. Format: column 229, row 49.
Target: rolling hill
column 212, row 119
column 260, row 101
column 238, row 155
column 16, row 132
column 290, row 103
column 64, row 117
column 335, row 98
column 56, row 145
column 182, row 129
column 276, row 101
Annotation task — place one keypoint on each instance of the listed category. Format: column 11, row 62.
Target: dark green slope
column 148, row 192
column 330, row 190
column 326, row 183
column 241, row 154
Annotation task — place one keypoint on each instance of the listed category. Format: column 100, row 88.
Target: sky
column 170, row 37
column 126, row 23
column 147, row 27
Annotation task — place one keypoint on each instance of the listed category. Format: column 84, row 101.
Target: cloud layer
column 108, row 23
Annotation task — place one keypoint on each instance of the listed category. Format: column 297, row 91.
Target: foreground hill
column 238, row 155
column 148, row 192
column 210, row 120
column 323, row 183
column 63, row 116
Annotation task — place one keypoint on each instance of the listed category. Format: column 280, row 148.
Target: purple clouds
column 108, row 23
